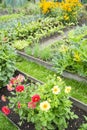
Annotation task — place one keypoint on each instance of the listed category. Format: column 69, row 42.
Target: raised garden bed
column 78, row 107
column 50, row 66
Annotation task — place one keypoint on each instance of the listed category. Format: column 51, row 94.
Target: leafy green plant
column 21, row 44
column 9, row 17
column 7, row 63
column 56, row 12
column 31, row 8
column 11, row 21
column 47, row 106
column 77, row 34
column 45, row 54
column 71, row 54
column 36, row 30
column 36, row 51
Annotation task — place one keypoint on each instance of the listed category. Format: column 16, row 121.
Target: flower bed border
column 50, row 67
column 76, row 102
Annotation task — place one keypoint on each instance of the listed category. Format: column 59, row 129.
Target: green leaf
column 20, row 112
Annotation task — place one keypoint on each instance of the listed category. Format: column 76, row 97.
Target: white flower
column 56, row 89
column 45, row 106
column 67, row 89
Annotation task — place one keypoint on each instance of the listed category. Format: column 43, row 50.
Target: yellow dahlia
column 56, row 90
column 45, row 106
column 67, row 89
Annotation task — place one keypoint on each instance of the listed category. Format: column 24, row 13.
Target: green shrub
column 7, row 63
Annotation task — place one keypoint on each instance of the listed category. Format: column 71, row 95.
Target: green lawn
column 34, row 70
column 5, row 124
column 79, row 89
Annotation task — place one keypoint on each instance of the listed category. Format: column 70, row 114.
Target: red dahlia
column 5, row 110
column 31, row 105
column 36, row 98
column 19, row 88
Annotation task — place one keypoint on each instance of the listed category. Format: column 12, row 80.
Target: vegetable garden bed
column 78, row 107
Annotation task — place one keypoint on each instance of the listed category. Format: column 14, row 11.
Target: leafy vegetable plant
column 35, row 31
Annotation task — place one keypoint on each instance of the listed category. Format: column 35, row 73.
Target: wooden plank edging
column 79, row 104
column 36, row 60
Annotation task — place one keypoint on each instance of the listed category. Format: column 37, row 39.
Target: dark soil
column 73, row 124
